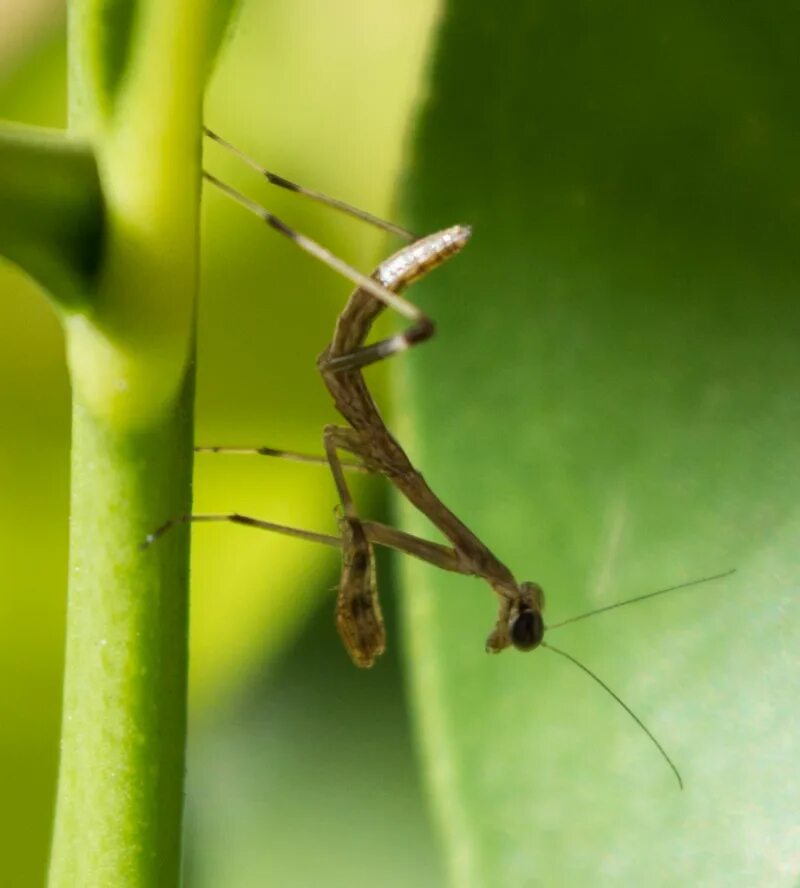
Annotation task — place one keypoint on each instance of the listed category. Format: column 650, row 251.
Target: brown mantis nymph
column 519, row 620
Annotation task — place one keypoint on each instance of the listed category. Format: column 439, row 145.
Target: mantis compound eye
column 526, row 630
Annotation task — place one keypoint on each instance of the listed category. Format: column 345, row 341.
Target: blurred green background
column 610, row 402
column 287, row 738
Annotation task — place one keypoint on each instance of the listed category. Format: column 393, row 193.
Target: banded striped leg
column 377, row 533
column 335, row 203
column 397, row 272
column 358, row 610
column 375, row 288
column 247, row 520
column 404, row 267
column 290, row 455
column 358, row 614
column 408, row 264
column 365, row 355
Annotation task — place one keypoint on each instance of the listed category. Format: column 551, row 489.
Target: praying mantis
column 365, row 436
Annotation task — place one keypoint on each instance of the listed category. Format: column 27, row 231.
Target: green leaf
column 611, row 404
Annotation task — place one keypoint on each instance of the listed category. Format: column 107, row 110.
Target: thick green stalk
column 122, row 761
column 137, row 76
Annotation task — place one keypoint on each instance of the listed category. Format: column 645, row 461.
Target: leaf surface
column 611, row 404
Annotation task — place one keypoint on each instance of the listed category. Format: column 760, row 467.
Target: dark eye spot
column 527, row 630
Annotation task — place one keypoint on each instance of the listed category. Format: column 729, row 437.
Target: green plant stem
column 123, row 736
column 137, row 73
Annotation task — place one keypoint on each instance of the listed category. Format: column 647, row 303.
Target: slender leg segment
column 335, row 203
column 443, row 557
column 246, row 520
column 378, row 534
column 365, row 355
column 335, row 437
column 289, row 455
column 358, row 612
column 316, row 250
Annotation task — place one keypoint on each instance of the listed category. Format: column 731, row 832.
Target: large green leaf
column 612, row 405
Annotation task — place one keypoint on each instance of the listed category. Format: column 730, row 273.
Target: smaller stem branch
column 51, row 211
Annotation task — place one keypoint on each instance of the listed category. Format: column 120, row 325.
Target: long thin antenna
column 638, row 598
column 281, row 182
column 375, row 288
column 623, row 704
